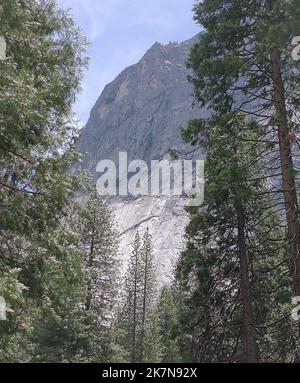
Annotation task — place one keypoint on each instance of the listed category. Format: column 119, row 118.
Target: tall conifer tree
column 243, row 63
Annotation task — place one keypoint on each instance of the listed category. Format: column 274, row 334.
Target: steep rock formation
column 142, row 113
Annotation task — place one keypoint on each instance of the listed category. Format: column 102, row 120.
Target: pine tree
column 98, row 243
column 59, row 330
column 139, row 300
column 243, row 63
column 167, row 314
column 154, row 350
column 39, row 80
column 131, row 318
column 78, row 279
column 233, row 256
column 148, row 289
column 38, row 83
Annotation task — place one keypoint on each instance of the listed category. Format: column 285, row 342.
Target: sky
column 120, row 32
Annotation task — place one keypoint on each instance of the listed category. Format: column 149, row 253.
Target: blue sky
column 120, row 32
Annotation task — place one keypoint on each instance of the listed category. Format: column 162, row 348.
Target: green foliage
column 39, row 82
column 41, row 272
column 244, row 73
column 231, row 62
column 137, row 321
column 167, row 315
column 59, row 329
column 58, row 254
column 98, row 243
column 208, row 273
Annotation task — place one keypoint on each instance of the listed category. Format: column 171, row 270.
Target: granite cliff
column 142, row 113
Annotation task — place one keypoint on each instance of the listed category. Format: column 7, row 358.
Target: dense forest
column 67, row 298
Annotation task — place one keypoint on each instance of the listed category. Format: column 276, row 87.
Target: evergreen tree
column 38, row 84
column 78, row 277
column 59, row 330
column 148, row 291
column 243, row 63
column 133, row 301
column 168, row 339
column 39, row 80
column 139, row 300
column 235, row 259
column 153, row 350
column 99, row 246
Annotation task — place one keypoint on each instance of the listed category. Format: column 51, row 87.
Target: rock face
column 142, row 113
column 166, row 220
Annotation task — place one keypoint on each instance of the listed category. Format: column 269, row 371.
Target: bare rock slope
column 142, row 113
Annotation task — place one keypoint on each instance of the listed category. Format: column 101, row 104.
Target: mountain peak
column 143, row 110
column 160, row 49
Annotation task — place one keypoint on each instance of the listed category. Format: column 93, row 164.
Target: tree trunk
column 90, row 262
column 250, row 349
column 144, row 307
column 134, row 324
column 287, row 169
